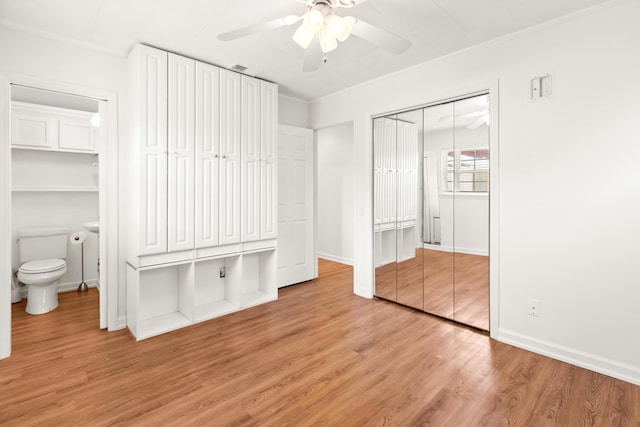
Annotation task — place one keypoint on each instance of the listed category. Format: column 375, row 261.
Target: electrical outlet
column 223, row 272
column 534, row 307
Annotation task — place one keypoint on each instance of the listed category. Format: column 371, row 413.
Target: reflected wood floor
column 317, row 356
column 447, row 284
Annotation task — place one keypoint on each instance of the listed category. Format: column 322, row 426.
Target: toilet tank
column 42, row 243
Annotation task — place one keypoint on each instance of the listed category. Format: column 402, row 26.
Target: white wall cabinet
column 43, row 127
column 200, row 150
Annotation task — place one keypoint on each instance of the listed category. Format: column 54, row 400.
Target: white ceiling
column 190, row 27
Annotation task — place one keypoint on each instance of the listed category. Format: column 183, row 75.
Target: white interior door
column 297, row 259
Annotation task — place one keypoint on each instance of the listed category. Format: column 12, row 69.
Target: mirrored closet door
column 431, row 209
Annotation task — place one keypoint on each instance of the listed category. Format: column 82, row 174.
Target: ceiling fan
column 321, row 29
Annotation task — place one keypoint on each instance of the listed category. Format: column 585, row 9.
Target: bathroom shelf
column 56, row 189
column 93, row 152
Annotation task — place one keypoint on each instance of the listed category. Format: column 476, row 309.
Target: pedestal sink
column 92, row 226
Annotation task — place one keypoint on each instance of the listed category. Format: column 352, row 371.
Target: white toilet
column 42, row 254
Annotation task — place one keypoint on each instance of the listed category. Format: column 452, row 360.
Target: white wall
column 335, row 193
column 293, row 112
column 60, row 62
column 569, row 186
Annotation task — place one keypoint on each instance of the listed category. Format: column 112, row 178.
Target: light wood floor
column 317, row 356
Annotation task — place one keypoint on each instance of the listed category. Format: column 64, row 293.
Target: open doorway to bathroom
column 59, row 149
column 55, row 179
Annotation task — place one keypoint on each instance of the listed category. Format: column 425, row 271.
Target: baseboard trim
column 73, row 286
column 341, row 260
column 63, row 287
column 588, row 361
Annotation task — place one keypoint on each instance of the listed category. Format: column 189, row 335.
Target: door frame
column 108, row 198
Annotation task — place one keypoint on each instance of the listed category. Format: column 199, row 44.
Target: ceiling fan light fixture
column 339, row 27
column 328, row 41
column 313, row 21
column 302, row 37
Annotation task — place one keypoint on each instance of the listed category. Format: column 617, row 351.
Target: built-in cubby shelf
column 215, row 286
column 165, row 297
column 258, row 273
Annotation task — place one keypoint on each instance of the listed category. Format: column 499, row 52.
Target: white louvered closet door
column 269, row 161
column 207, row 155
column 181, row 143
column 230, row 98
column 151, row 83
column 250, row 143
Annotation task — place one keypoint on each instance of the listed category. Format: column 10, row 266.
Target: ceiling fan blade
column 378, row 36
column 256, row 28
column 312, row 56
column 481, row 121
column 464, row 116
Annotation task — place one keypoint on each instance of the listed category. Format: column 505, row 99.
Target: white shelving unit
column 165, row 297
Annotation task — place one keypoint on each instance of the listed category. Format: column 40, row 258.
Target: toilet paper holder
column 78, row 238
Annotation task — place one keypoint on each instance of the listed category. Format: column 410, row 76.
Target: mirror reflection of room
column 431, row 203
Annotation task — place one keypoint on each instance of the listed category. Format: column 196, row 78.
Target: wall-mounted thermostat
column 541, row 87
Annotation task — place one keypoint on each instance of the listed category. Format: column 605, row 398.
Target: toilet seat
column 42, row 266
